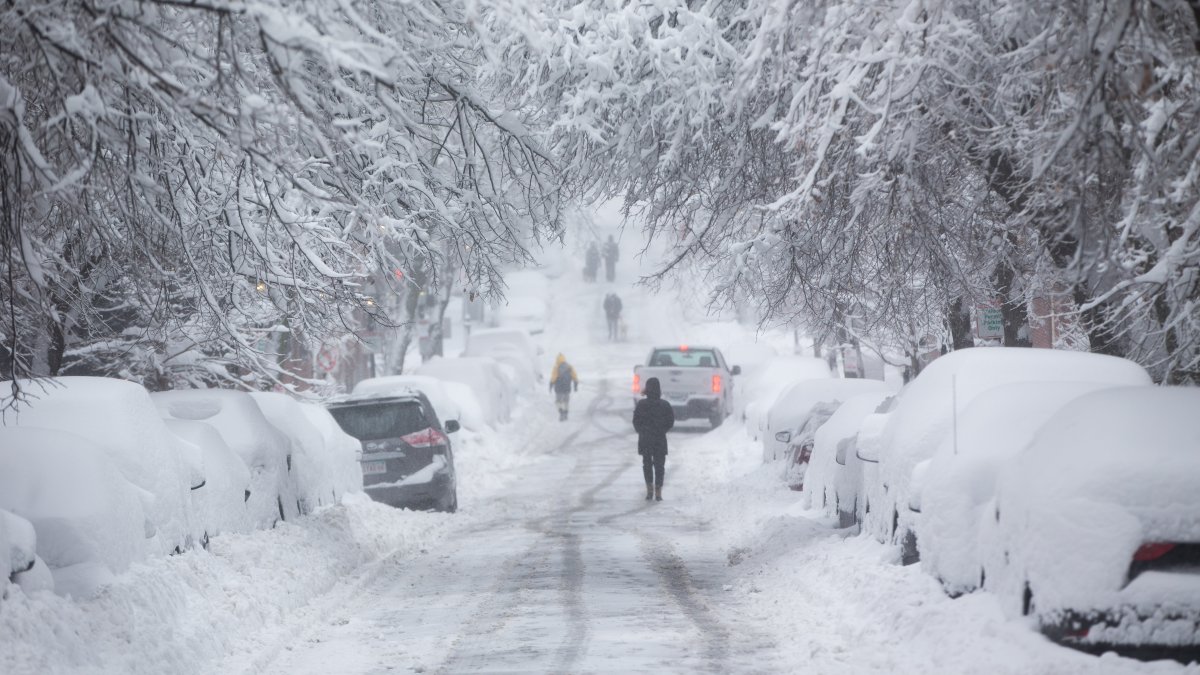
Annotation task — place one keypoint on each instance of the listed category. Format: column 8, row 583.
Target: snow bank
column 120, row 419
column 1111, row 471
column 87, row 517
column 184, row 614
column 264, row 449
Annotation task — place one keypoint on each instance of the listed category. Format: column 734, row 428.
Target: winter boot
column 649, row 491
column 658, row 494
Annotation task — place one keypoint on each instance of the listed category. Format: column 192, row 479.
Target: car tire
column 451, row 504
column 716, row 418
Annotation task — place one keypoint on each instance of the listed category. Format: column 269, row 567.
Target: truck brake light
column 716, row 384
column 637, row 383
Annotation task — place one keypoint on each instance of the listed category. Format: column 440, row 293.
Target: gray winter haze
column 836, row 337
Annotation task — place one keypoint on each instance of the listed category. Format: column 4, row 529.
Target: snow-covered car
column 407, row 458
column 695, row 380
column 960, row 478
column 88, row 520
column 485, row 377
column 451, row 400
column 759, row 391
column 219, row 497
column 120, row 418
column 264, row 449
column 316, row 468
column 344, row 450
column 800, row 409
column 834, row 479
column 1096, row 523
column 924, row 412
column 522, row 313
column 511, row 346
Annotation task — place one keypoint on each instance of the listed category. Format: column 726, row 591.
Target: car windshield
column 375, row 421
column 685, row 358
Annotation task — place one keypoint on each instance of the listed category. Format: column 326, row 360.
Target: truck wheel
column 715, row 418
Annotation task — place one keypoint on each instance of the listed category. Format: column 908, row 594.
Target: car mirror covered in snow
column 784, row 436
column 452, row 426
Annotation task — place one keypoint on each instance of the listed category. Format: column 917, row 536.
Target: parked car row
column 1063, row 482
column 97, row 473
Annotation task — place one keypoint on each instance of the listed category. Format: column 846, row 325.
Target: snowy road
column 571, row 572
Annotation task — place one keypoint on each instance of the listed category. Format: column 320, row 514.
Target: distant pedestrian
column 612, row 311
column 611, row 253
column 562, row 381
column 591, row 262
column 652, row 419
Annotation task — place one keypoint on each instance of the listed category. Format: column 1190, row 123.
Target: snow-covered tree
column 181, row 181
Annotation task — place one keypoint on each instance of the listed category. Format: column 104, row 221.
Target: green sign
column 989, row 323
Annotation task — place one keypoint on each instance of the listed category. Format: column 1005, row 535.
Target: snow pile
column 925, row 410
column 263, row 448
column 87, row 518
column 1113, row 470
column 120, row 420
column 185, row 613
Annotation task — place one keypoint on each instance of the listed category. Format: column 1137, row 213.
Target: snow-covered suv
column 407, row 459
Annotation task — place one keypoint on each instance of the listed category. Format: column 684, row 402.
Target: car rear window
column 376, row 421
column 702, row 358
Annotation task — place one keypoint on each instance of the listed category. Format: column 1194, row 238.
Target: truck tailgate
column 679, row 383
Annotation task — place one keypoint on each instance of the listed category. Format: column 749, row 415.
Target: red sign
column 327, row 358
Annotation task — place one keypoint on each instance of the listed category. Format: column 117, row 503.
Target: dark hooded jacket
column 652, row 419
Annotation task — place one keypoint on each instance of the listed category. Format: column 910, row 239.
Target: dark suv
column 407, row 460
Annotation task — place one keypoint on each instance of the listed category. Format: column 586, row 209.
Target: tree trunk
column 958, row 317
column 1013, row 309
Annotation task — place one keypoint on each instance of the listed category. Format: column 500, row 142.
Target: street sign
column 327, row 358
column 989, row 323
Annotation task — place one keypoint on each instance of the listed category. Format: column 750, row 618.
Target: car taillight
column 1153, row 551
column 716, row 386
column 425, row 438
column 637, row 383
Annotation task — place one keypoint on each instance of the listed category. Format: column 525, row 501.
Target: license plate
column 678, row 397
column 370, row 468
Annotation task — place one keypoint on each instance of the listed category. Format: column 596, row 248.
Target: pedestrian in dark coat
column 652, row 419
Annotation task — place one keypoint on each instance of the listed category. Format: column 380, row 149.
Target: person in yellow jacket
column 562, row 381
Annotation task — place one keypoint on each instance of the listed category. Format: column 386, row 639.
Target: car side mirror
column 840, row 456
column 452, row 426
column 870, row 437
column 783, row 436
column 736, row 370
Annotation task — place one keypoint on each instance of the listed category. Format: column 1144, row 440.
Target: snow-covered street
column 555, row 563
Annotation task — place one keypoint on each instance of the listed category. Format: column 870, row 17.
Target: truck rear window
column 377, row 421
column 699, row 358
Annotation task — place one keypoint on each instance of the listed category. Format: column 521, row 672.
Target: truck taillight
column 637, row 383
column 716, row 385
